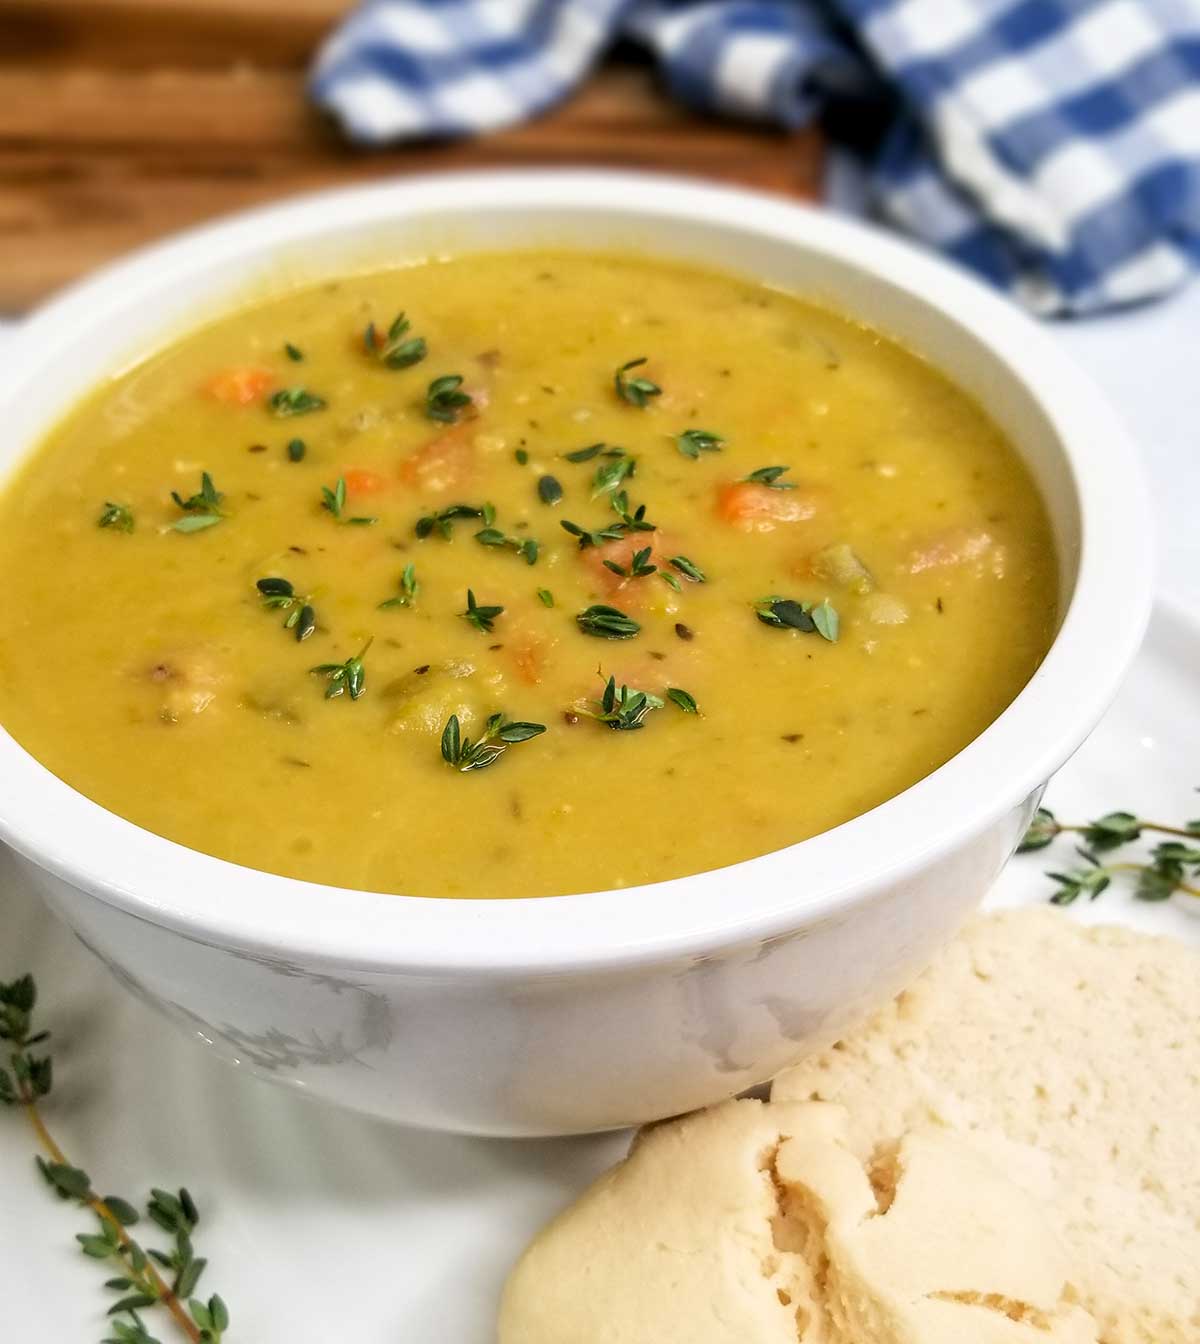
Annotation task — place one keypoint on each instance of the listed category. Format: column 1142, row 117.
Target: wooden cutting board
column 122, row 120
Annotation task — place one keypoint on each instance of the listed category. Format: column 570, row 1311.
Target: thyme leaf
column 334, row 502
column 684, row 699
column 624, row 709
column 607, row 623
column 636, row 391
column 482, row 618
column 807, row 618
column 395, row 349
column 639, row 566
column 549, row 489
column 525, row 547
column 344, row 678
column 117, row 516
column 146, row 1278
column 289, row 401
column 409, row 588
column 692, row 442
column 202, row 509
column 279, row 595
column 443, row 521
column 444, row 398
column 769, row 476
column 498, row 735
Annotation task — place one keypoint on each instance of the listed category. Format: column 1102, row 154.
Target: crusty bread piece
column 1081, row 1043
column 755, row 1224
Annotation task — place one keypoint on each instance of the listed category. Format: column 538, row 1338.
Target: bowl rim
column 217, row 902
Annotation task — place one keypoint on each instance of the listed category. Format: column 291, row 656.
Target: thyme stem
column 162, row 1290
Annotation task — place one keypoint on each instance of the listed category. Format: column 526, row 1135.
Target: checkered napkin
column 1051, row 145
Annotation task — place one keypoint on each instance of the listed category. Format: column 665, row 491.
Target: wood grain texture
column 128, row 119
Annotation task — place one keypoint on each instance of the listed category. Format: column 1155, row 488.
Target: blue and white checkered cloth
column 1051, row 145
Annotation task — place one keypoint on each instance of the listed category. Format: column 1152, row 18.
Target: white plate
column 322, row 1225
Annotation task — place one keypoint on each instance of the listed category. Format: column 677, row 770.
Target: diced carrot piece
column 240, row 387
column 621, row 553
column 446, row 462
column 754, row 507
column 528, row 654
column 362, row 481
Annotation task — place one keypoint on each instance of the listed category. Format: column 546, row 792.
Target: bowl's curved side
column 558, row 1052
column 1060, row 421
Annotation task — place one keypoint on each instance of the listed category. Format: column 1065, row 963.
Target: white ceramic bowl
column 581, row 1012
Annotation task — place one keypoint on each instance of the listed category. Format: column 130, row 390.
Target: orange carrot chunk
column 362, row 481
column 445, row 462
column 240, row 387
column 754, row 507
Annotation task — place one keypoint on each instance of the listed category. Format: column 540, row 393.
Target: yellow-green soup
column 807, row 535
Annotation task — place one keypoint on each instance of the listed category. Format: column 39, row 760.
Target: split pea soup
column 516, row 575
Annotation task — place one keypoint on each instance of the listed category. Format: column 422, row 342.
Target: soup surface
column 249, row 583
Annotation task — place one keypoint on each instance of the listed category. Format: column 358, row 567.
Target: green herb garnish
column 465, row 755
column 293, row 352
column 630, row 522
column 296, row 449
column 445, row 398
column 334, row 502
column 613, row 532
column 689, row 569
column 683, row 699
column 294, row 401
column 769, row 476
column 623, row 710
column 396, row 349
column 442, row 522
column 525, row 547
column 344, row 677
column 409, row 588
column 279, row 595
column 117, row 516
column 545, row 597
column 202, row 509
column 549, row 490
column 635, row 391
column 784, row 613
column 692, row 442
column 522, row 457
column 607, row 623
column 1171, row 864
column 592, row 450
column 145, row 1278
column 639, row 566
column 609, row 475
column 481, row 618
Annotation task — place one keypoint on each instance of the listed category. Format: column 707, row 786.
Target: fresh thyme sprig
column 769, row 476
column 689, row 569
column 396, row 349
column 591, row 451
column 444, row 398
column 525, row 547
column 636, row 391
column 607, row 623
column 117, row 516
column 482, row 618
column 289, row 401
column 200, row 510
column 631, row 522
column 639, row 566
column 498, row 735
column 443, row 521
column 279, row 595
column 785, row 614
column 1172, row 862
column 334, row 502
column 28, row 1079
column 409, row 588
column 621, row 467
column 624, row 709
column 348, row 677
column 692, row 442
